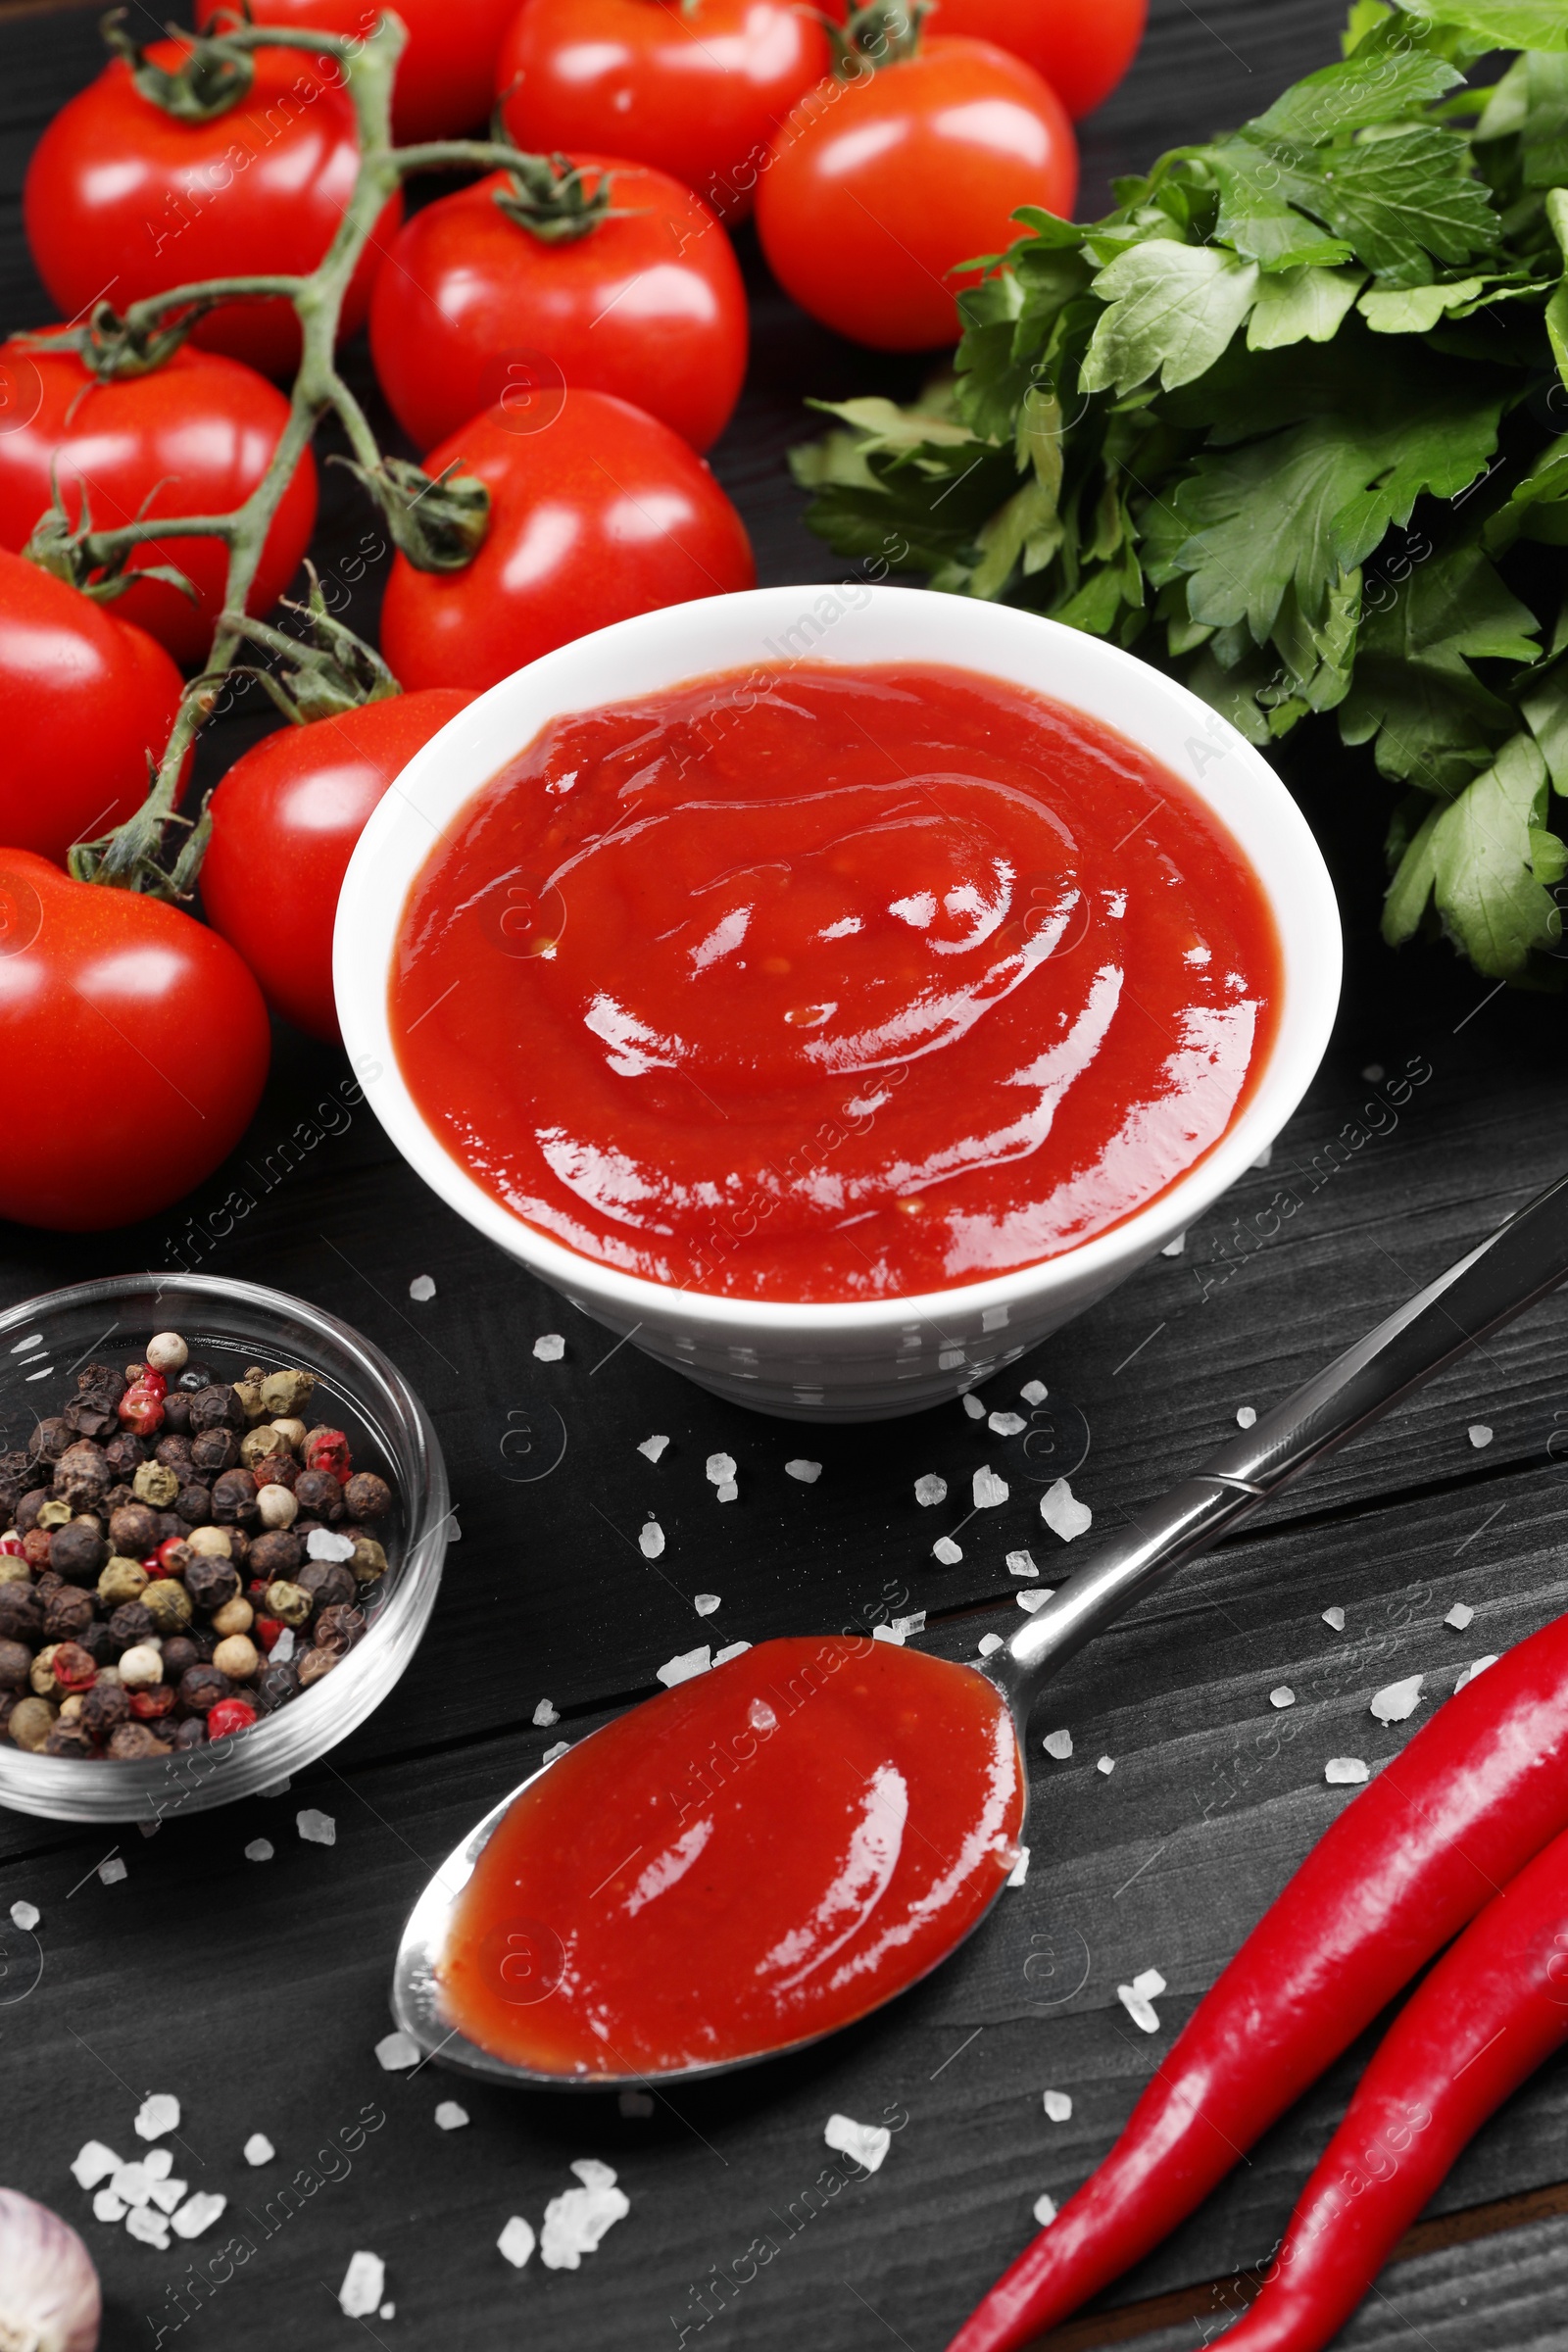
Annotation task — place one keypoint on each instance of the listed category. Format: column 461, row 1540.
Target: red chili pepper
column 1494, row 2009
column 1479, row 1789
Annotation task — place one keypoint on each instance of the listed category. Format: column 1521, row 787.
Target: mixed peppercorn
column 181, row 1555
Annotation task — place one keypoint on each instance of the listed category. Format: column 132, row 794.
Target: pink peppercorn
column 328, row 1450
column 229, row 1716
column 141, row 1409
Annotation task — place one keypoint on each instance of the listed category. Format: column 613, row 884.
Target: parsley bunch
column 1294, row 419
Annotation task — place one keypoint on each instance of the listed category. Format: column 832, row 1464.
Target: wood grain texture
column 257, row 1990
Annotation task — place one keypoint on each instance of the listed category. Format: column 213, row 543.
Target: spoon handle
column 1519, row 1264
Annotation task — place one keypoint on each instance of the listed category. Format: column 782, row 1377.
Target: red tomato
column 194, row 437
column 134, row 1036
column 877, row 189
column 604, row 513
column 123, row 199
column 649, row 305
column 445, row 75
column 286, row 819
column 698, row 87
column 86, row 698
column 1083, row 52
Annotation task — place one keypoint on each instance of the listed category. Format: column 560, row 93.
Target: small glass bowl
column 230, row 1325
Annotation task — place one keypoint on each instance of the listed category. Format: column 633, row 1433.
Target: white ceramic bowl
column 858, row 1362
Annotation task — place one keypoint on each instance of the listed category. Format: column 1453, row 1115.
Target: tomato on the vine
column 882, row 184
column 697, row 89
column 646, row 302
column 136, row 1040
column 87, row 700
column 193, row 437
column 601, row 514
column 445, row 75
column 286, row 819
column 123, row 200
column 1082, row 51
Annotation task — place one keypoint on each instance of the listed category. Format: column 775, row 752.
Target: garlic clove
column 49, row 2297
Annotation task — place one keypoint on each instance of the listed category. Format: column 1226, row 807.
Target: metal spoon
column 1519, row 1264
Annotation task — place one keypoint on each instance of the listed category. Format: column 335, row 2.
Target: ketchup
column 756, row 1857
column 826, row 984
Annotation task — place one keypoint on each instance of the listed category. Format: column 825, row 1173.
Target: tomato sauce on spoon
column 758, row 1856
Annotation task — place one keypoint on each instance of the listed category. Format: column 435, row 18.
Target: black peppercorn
column 91, row 1417
column 50, row 1438
column 329, row 1583
column 130, row 1624
column 104, row 1708
column 278, row 1470
column 213, row 1453
column 81, row 1476
column 66, row 1740
column 172, row 1528
column 29, row 1507
column 21, row 1614
column 192, row 1733
column 319, row 1495
column 176, row 1414
column 235, row 1500
column 273, row 1555
column 366, row 1497
column 133, row 1529
column 66, row 1614
column 179, row 1651
column 210, row 1581
column 275, row 1687
column 206, row 1641
column 338, row 1626
column 130, row 1742
column 78, row 1552
column 202, row 1686
column 175, row 1454
column 217, row 1408
column 16, row 1664
column 101, row 1380
column 125, row 1455
column 100, row 1645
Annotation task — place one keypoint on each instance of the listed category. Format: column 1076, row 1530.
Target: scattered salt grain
column 397, row 2050
column 888, row 1633
column 1058, row 1745
column 990, row 1644
column 946, row 1551
column 1030, row 1602
column 1007, row 1425
column 930, row 1490
column 317, row 1828
column 167, row 2194
column 421, row 1287
column 322, row 1544
column 1396, row 1700
column 1058, row 2106
column 1063, row 1513
column 158, row 2163
column 1479, row 1435
column 720, row 1471
column 146, row 2223
column 92, row 2163
column 1138, row 1998
column 1021, row 1563
column 159, row 2113
column 865, row 2144
column 1034, row 1391
column 545, row 1715
column 706, row 1603
column 1020, row 1873
column 1245, row 1416
column 449, row 2117
column 516, row 2241
column 650, row 1540
column 1476, row 1666
column 1106, row 1765
column 1174, row 1248
column 258, row 2149
column 653, row 1447
column 25, row 1916
column 1458, row 1617
column 363, row 2283
column 199, row 2213
column 686, row 1665
column 1045, row 2210
column 729, row 1492
column 551, row 1754
column 722, row 1657
column 260, row 1850
column 107, row 2207
column 973, row 1407
column 111, row 1870
column 914, row 1623
column 577, row 2220
column 388, row 2311
column 133, row 2185
column 1334, row 1619
column 990, row 1492
column 636, row 2103
column 282, row 1651
column 1283, row 1697
column 550, row 1348
column 806, row 1472
column 1344, row 1771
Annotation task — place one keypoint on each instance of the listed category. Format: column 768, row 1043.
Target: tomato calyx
column 439, row 523
column 326, row 669
column 212, row 77
column 877, row 33
column 552, row 200
column 67, row 551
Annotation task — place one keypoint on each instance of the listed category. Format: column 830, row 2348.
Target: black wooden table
column 256, row 1992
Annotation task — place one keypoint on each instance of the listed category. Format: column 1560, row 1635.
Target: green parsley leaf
column 1171, row 311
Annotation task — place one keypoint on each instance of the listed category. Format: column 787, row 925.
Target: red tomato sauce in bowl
column 831, row 984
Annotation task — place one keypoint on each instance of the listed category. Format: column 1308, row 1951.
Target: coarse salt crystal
column 1007, row 1425
column 653, row 1447
column 107, row 2207
column 1174, row 1248
column 158, row 2162
column 550, row 1348
column 704, row 1604
column 364, row 2285
column 930, row 1490
column 283, row 1649
column 635, row 2103
column 1045, row 2210
column 1058, row 1745
column 25, row 1916
column 1149, row 1982
column 866, row 2144
column 729, row 1492
column 167, row 2194
column 686, row 1665
column 973, row 1406
column 1139, row 2002
column 1030, row 1602
column 1106, row 1765
column 577, row 2220
column 914, row 1623
column 1476, row 1666
column 720, row 1469
column 561, row 1747
column 1063, row 1513
column 111, row 1870
column 260, row 1850
column 1034, row 1391
column 258, row 2149
column 888, row 1633
column 146, row 2223
column 317, row 1828
column 990, row 1644
column 721, row 1657
column 388, row 2311
column 1479, row 1435
column 92, row 2163
column 806, row 1472
column 1344, row 1771
column 322, row 1544
column 1245, row 1416
column 650, row 1540
column 397, row 2050
column 421, row 1287
column 516, row 2241
column 1334, row 1619
column 1458, row 1617
column 946, row 1551
column 1282, row 1697
column 132, row 2183
column 159, row 2113
column 1021, row 1563
column 1396, row 1700
column 990, row 1492
column 1020, row 1873
column 449, row 2117
column 545, row 1715
column 1058, row 2106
